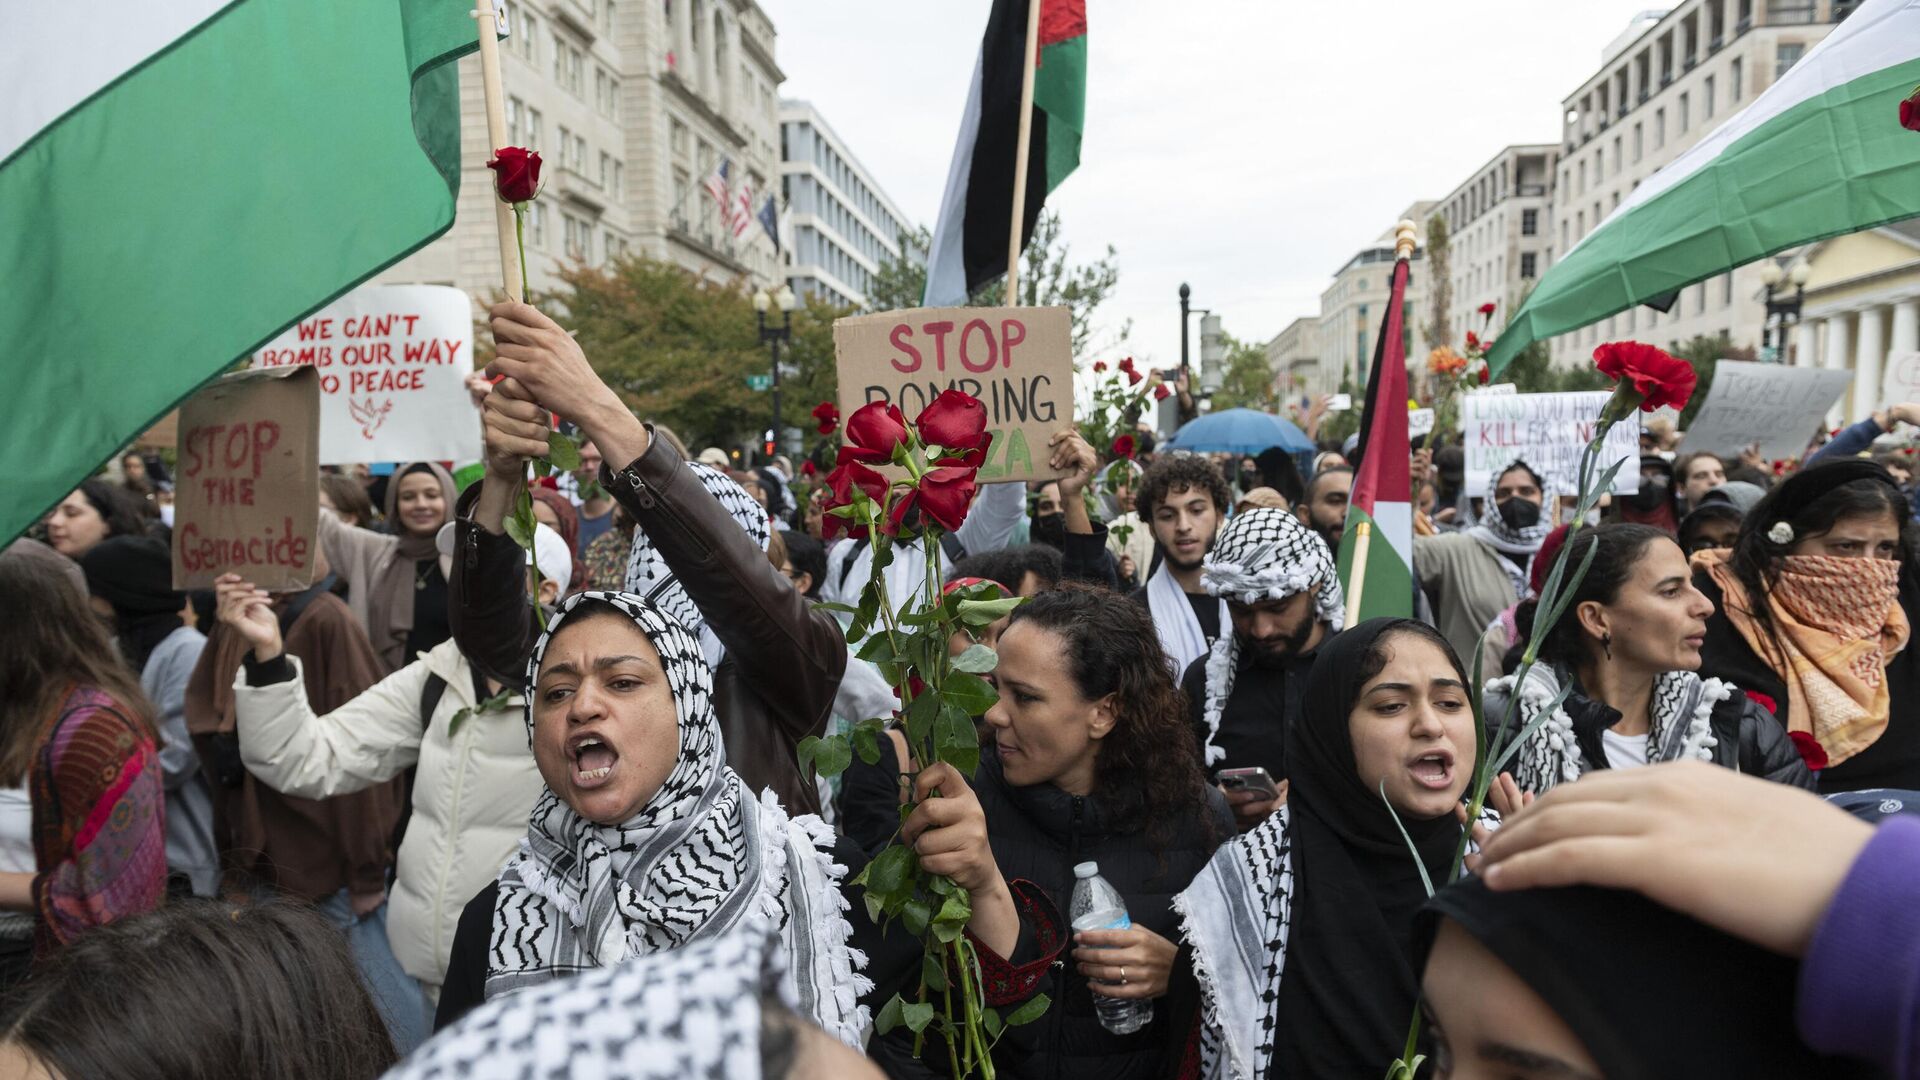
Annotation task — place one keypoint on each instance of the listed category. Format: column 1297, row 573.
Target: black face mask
column 1519, row 514
column 1652, row 493
column 1049, row 529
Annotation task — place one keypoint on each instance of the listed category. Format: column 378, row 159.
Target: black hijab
column 135, row 575
column 1649, row 991
column 1348, row 990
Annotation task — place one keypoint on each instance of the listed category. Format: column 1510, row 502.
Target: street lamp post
column 773, row 336
column 1783, row 311
column 1185, row 292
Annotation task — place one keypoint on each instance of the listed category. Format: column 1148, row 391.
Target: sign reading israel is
column 1017, row 361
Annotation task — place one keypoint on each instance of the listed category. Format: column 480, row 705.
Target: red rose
column 1657, row 377
column 1123, row 447
column 1161, row 392
column 808, row 468
column 915, row 686
column 829, row 416
column 1127, row 366
column 942, row 498
column 1473, row 340
column 516, row 174
column 1486, row 308
column 875, row 430
column 957, row 422
column 1133, row 377
column 841, row 483
column 1810, row 749
column 1099, row 366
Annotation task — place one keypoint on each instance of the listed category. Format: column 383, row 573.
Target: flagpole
column 1021, row 151
column 503, row 223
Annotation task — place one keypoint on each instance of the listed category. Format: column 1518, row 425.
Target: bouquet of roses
column 1116, row 406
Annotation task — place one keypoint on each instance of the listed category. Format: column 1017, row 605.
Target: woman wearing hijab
column 644, row 840
column 1474, row 575
column 1302, row 930
column 1813, row 610
column 557, row 512
column 397, row 583
column 1629, row 645
column 131, row 580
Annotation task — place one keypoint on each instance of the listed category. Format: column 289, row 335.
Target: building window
column 537, row 224
column 677, row 139
column 515, row 111
column 530, row 39
column 1785, row 56
column 566, row 144
column 1682, row 113
column 569, row 63
column 1659, row 128
column 1708, row 103
column 579, row 160
column 606, row 175
column 1739, row 69
column 1619, row 160
column 1726, row 289
column 1529, row 222
column 533, row 129
column 1636, row 149
column 1527, row 264
column 619, row 177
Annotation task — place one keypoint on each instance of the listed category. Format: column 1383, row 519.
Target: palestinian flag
column 185, row 180
column 1819, row 153
column 976, row 211
column 1383, row 484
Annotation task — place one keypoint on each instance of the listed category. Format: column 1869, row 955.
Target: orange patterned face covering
column 1837, row 622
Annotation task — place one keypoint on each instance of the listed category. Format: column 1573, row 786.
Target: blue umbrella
column 1241, row 431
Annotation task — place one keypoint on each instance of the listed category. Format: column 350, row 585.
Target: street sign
column 759, row 382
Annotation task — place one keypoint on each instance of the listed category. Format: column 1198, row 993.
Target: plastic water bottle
column 1097, row 905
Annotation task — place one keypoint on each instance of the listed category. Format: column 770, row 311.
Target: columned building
column 843, row 226
column 1660, row 89
column 1861, row 309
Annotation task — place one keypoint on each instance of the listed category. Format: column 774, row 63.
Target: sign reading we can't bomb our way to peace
column 392, row 362
column 1017, row 361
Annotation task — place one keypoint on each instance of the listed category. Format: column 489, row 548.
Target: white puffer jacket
column 471, row 794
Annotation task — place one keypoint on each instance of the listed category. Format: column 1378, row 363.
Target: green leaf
column 970, row 693
column 1033, row 1009
column 977, row 613
column 521, row 523
column 951, row 920
column 978, row 659
column 942, row 886
column 990, row 1019
column 889, row 1017
column 1412, row 852
column 920, row 715
column 541, row 468
column 458, row 718
column 932, row 973
column 563, row 451
column 866, row 743
column 917, row 1016
column 833, row 755
column 916, row 915
column 806, row 751
column 877, row 649
column 891, row 872
column 956, row 741
column 841, row 609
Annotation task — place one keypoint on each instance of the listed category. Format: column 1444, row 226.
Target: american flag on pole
column 716, row 184
column 742, row 216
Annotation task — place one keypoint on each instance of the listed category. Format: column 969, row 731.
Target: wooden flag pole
column 1357, row 570
column 484, row 20
column 1021, row 151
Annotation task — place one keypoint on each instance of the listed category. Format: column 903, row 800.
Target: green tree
column 678, row 348
column 1048, row 278
column 1247, row 381
column 1439, row 328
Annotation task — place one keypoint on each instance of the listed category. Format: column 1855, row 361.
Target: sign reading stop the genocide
column 393, row 362
column 1017, row 361
column 247, row 496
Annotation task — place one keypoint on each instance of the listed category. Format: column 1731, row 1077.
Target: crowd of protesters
column 393, row 821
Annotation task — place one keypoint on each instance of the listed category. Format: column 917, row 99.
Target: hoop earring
column 1606, row 643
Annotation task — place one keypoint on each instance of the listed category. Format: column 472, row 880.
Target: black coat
column 1038, row 834
column 1894, row 759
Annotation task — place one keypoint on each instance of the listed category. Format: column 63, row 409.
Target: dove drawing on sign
column 368, row 415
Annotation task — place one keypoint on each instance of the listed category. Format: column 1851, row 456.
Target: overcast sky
column 1247, row 147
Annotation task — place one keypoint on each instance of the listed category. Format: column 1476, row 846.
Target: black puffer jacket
column 1038, row 834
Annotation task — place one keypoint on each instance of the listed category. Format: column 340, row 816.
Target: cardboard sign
column 247, row 495
column 393, row 362
column 1017, row 361
column 1419, row 422
column 1901, row 383
column 1778, row 407
column 1548, row 432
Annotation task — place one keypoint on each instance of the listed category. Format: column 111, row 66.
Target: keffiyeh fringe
column 1552, row 755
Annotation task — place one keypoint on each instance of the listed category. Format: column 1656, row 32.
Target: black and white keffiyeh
column 1682, row 724
column 682, row 1015
column 700, row 858
column 1236, row 914
column 649, row 577
column 1262, row 554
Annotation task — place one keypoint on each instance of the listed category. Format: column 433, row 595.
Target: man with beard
column 1324, row 509
column 1472, row 576
column 1278, row 581
column 1183, row 499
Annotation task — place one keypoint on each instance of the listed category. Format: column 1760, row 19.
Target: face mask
column 1049, row 529
column 1519, row 514
column 1652, row 493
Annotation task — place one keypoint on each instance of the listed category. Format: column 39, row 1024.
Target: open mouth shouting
column 1433, row 770
column 592, row 759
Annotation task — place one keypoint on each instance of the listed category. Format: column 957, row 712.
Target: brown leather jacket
column 784, row 660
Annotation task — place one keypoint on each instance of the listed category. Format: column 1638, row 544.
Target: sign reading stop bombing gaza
column 1017, row 361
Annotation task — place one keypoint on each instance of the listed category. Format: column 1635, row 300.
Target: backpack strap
column 431, row 692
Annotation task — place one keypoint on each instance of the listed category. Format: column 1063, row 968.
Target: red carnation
column 1473, row 340
column 1658, row 378
column 1910, row 111
column 516, row 174
column 1810, row 749
column 1485, row 373
column 955, row 422
column 841, row 483
column 829, row 416
column 1161, row 392
column 1487, row 308
column 1099, row 366
column 942, row 498
column 1123, row 447
column 875, row 431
